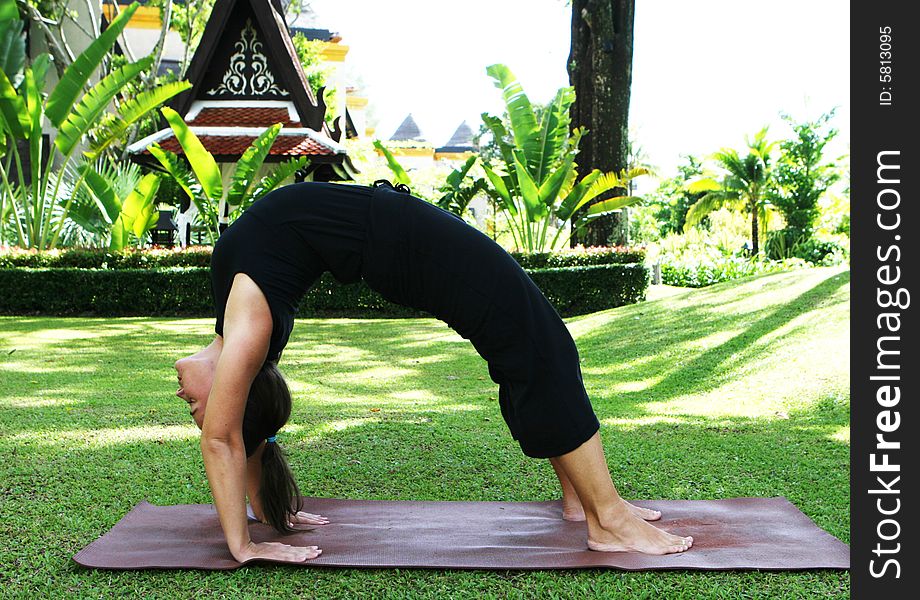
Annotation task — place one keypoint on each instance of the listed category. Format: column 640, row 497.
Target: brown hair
column 267, row 410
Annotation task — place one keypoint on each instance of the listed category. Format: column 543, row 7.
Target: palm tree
column 744, row 186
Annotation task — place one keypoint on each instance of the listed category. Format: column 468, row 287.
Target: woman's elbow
column 216, row 442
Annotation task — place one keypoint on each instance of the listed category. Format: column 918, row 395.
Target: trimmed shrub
column 581, row 290
column 580, row 257
column 200, row 256
column 93, row 258
column 187, row 292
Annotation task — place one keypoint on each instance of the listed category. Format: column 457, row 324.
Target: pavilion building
column 245, row 77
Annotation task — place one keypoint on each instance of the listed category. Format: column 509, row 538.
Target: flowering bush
column 692, row 272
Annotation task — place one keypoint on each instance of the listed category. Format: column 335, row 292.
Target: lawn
column 740, row 389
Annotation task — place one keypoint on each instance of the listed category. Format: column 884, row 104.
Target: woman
column 417, row 255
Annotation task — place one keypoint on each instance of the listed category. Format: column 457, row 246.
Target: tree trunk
column 600, row 69
column 755, row 231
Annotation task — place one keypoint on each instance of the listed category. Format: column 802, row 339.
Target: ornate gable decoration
column 246, row 77
column 248, row 72
column 246, row 54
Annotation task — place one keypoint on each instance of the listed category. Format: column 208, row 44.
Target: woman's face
column 195, row 374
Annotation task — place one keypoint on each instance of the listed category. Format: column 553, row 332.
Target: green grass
column 739, row 389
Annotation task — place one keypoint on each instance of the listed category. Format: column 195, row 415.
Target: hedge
column 187, row 292
column 200, row 256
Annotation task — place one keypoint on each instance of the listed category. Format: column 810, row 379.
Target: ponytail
column 277, row 488
column 267, row 410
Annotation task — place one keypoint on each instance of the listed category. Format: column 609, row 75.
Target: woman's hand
column 277, row 552
column 305, row 518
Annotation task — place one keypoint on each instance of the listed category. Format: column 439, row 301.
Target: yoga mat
column 740, row 533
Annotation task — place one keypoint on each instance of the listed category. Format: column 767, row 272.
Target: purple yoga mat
column 740, row 533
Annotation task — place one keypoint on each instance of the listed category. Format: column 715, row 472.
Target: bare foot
column 572, row 511
column 646, row 514
column 625, row 532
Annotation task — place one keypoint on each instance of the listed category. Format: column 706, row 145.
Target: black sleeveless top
column 285, row 241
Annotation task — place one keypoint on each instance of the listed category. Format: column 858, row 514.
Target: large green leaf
column 119, row 234
column 554, row 131
column 498, row 185
column 102, row 193
column 706, row 184
column 702, row 207
column 611, row 204
column 398, row 172
column 529, row 191
column 8, row 10
column 520, row 112
column 249, row 164
column 201, row 161
column 177, row 170
column 499, row 136
column 34, row 105
column 455, row 178
column 138, row 210
column 130, row 112
column 561, row 181
column 278, row 175
column 576, row 198
column 85, row 114
column 69, row 88
column 12, row 48
column 604, row 183
column 15, row 113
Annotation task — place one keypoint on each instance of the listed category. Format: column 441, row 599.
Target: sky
column 705, row 73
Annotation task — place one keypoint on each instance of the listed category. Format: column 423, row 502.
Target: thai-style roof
column 460, row 141
column 408, row 131
column 246, row 76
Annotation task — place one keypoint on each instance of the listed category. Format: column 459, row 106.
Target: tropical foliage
column 34, row 210
column 535, row 180
column 202, row 182
column 744, row 186
column 455, row 193
column 802, row 176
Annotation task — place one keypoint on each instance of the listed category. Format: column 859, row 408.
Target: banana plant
column 538, row 181
column 456, row 196
column 135, row 214
column 202, row 181
column 38, row 213
column 399, row 173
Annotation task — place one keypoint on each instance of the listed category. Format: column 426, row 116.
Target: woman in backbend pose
column 417, row 255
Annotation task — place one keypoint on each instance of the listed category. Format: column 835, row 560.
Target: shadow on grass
column 700, row 371
column 409, row 364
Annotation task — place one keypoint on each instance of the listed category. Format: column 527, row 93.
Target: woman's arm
column 247, row 331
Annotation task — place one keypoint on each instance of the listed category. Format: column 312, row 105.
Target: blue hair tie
column 271, row 440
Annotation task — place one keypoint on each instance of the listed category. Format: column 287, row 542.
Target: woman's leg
column 571, row 505
column 612, row 526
